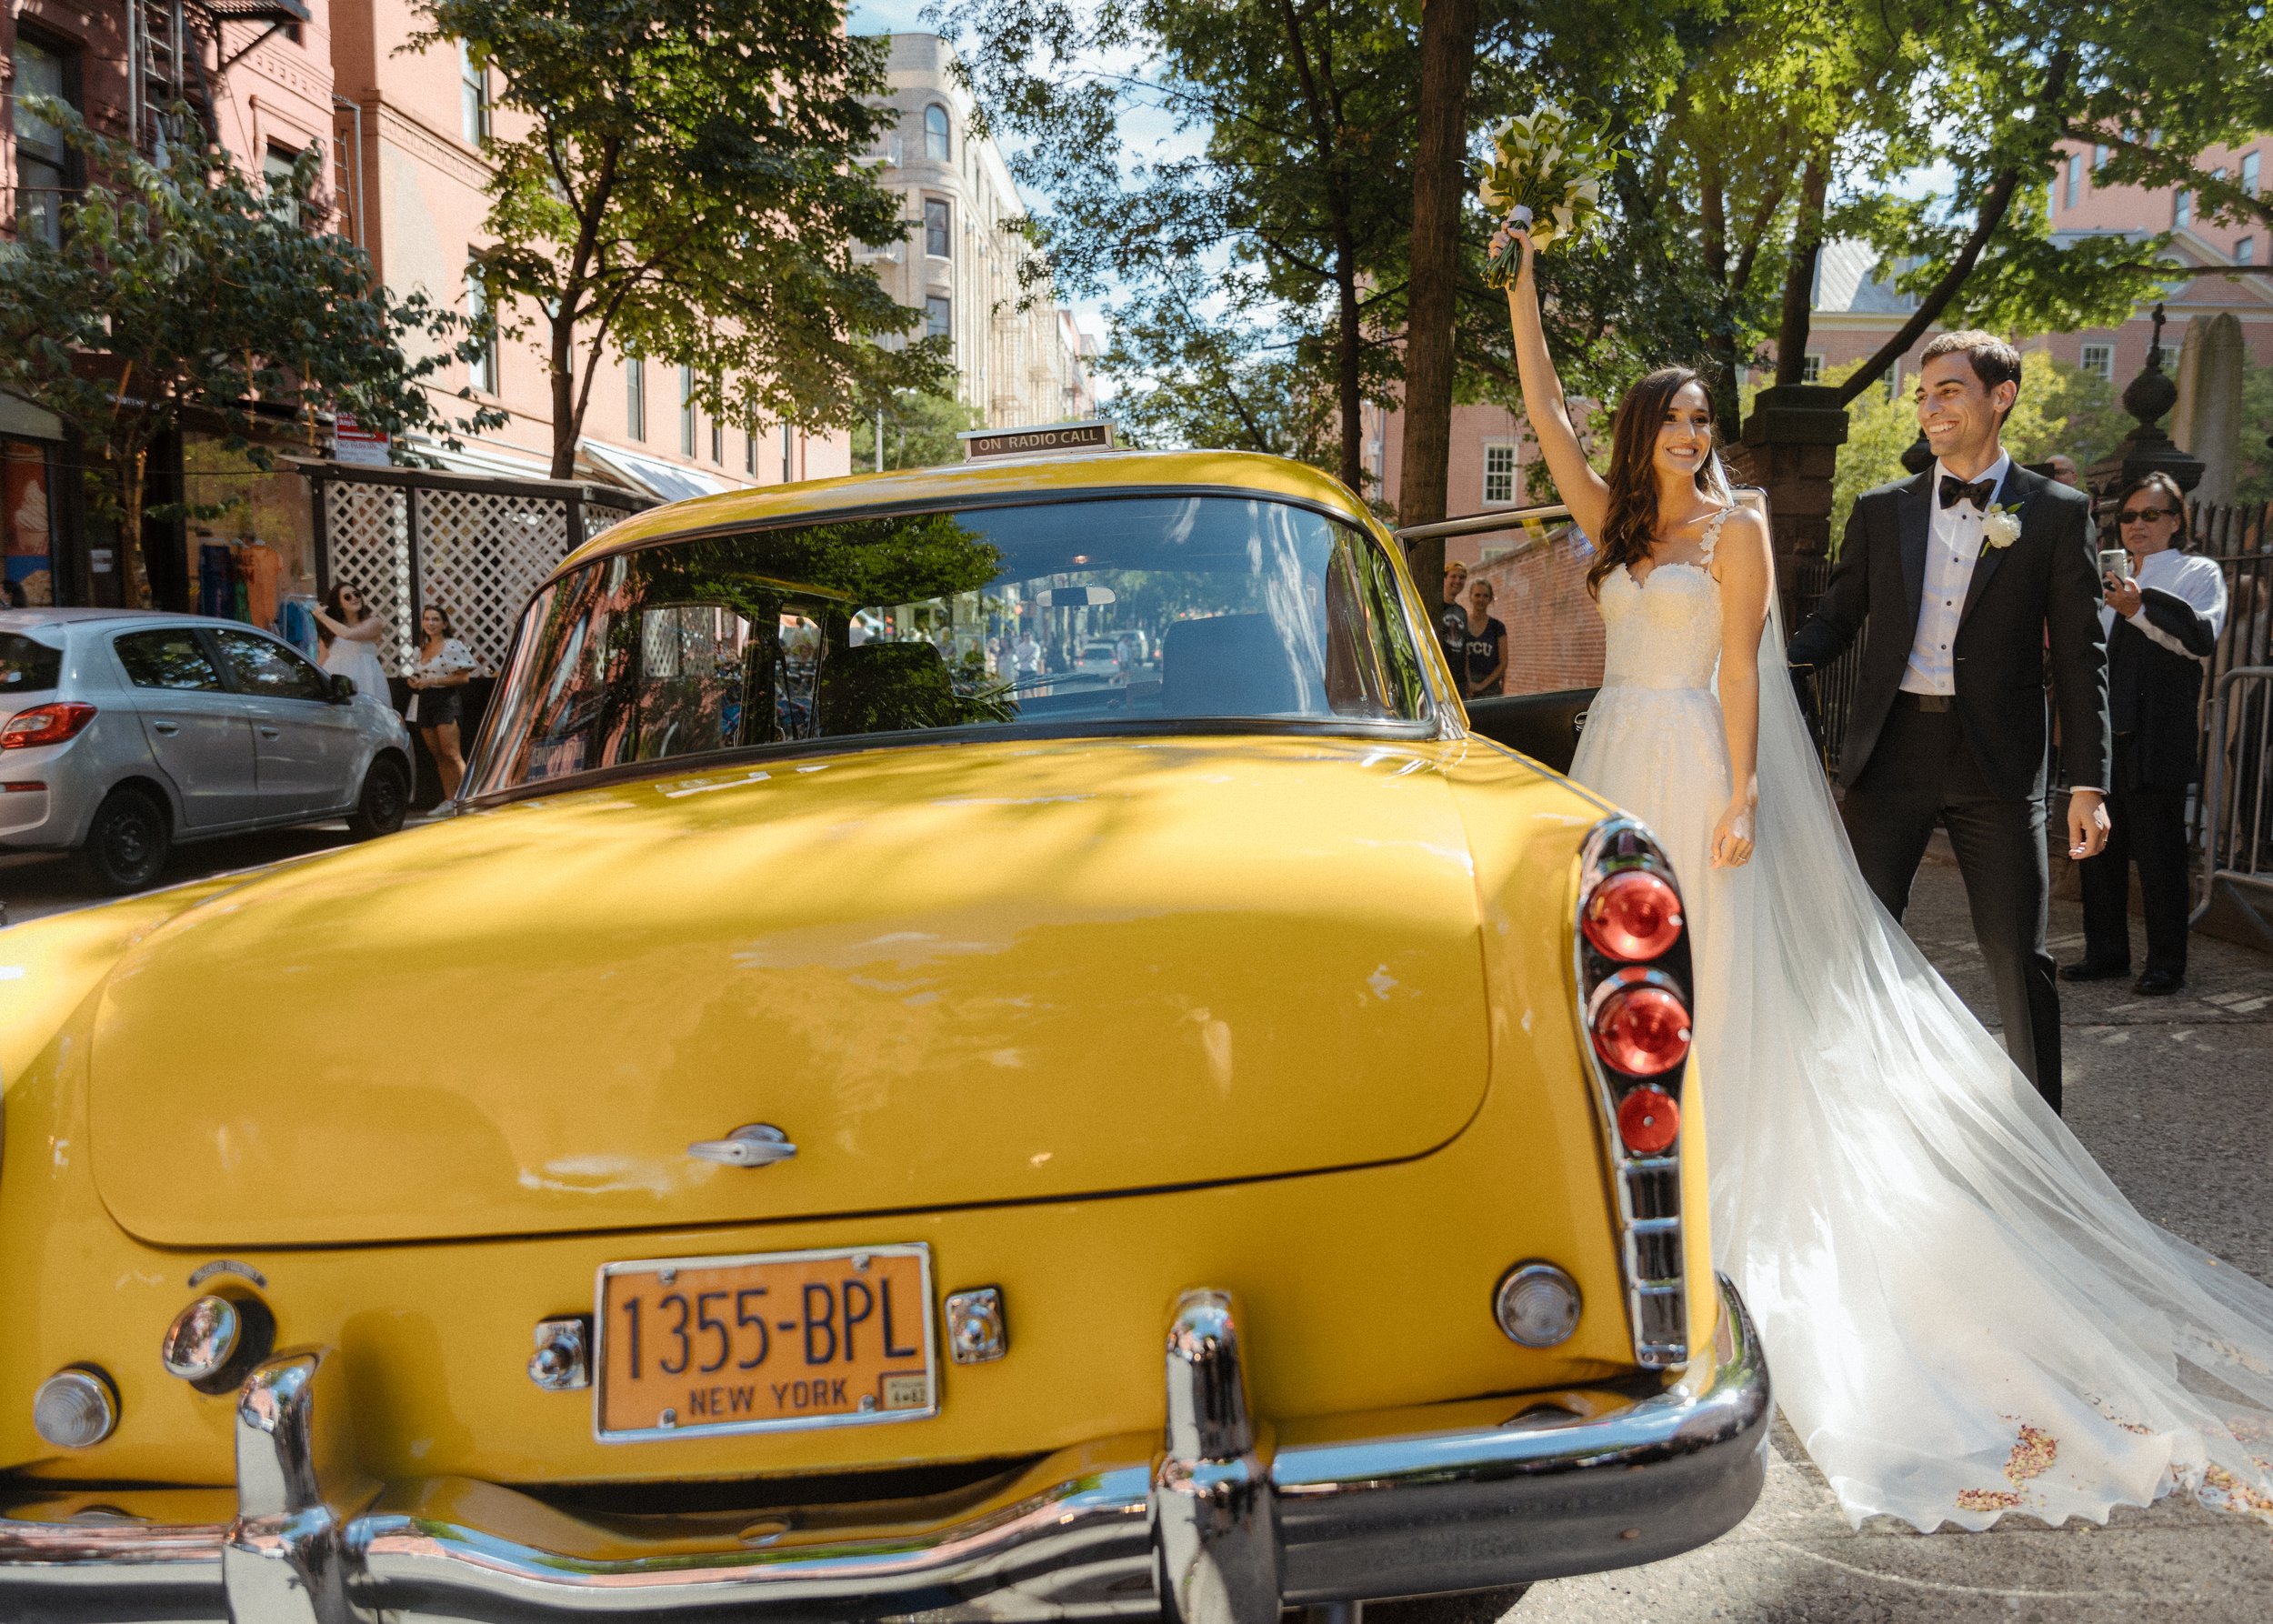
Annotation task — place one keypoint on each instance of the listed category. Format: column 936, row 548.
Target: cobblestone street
column 2163, row 1092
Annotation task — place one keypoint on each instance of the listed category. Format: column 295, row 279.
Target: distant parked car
column 1099, row 658
column 124, row 734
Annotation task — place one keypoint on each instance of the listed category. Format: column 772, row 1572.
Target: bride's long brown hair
column 1631, row 522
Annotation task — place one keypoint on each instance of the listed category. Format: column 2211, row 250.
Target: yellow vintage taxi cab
column 982, row 1044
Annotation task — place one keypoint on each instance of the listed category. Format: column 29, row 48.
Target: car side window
column 171, row 658
column 270, row 670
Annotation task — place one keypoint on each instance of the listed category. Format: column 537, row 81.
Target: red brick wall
column 1554, row 631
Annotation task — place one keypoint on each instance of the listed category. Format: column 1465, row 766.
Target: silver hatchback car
column 124, row 733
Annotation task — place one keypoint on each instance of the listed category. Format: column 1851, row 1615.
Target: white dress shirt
column 2191, row 578
column 1953, row 545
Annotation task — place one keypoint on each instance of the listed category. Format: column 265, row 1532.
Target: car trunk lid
column 948, row 974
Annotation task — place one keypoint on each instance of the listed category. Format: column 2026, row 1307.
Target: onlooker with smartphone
column 2165, row 609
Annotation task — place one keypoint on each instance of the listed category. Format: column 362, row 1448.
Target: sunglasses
column 2132, row 515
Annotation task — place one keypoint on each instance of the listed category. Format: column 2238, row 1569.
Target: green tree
column 685, row 184
column 184, row 292
column 1277, row 240
column 919, row 431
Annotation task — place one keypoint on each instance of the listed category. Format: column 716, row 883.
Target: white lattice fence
column 366, row 529
column 598, row 517
column 481, row 554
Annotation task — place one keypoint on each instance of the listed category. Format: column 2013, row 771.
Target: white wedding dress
column 1962, row 1315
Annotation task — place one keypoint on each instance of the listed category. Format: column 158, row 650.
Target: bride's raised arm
column 1582, row 488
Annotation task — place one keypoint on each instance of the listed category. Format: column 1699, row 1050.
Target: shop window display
column 27, row 515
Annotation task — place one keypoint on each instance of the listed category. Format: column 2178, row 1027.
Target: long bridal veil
column 1964, row 1316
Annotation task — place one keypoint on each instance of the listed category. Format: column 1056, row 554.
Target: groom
column 1978, row 583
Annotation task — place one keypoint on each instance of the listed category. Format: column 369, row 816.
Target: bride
column 1963, row 1315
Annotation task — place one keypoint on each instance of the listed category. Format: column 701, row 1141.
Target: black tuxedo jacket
column 2152, row 693
column 2031, row 615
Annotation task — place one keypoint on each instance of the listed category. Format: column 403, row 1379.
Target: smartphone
column 2116, row 562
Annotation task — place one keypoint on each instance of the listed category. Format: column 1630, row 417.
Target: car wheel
column 385, row 801
column 128, row 844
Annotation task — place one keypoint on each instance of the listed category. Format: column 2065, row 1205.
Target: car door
column 307, row 744
column 200, row 733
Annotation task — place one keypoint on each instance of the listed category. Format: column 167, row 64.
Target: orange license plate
column 764, row 1342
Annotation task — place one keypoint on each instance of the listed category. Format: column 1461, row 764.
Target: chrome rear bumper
column 1231, row 1522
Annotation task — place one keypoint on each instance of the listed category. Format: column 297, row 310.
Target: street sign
column 353, row 443
column 980, row 444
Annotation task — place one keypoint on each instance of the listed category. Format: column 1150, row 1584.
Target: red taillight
column 45, row 725
column 1648, row 1121
column 1632, row 914
column 1640, row 1027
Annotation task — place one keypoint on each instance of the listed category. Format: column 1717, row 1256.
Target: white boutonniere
column 2000, row 526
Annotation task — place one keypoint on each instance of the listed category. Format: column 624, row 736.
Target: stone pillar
column 2208, row 416
column 1790, row 445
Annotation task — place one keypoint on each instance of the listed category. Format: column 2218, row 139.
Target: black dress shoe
column 2094, row 970
column 2157, row 984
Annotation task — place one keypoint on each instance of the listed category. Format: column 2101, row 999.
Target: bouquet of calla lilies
column 1546, row 176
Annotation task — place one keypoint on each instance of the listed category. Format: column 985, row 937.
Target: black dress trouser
column 1922, row 772
column 2149, row 829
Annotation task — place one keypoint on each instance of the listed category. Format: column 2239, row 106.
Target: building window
column 2182, row 206
column 788, row 453
column 937, row 237
column 481, row 372
column 2249, row 173
column 717, row 441
column 2245, row 251
column 2099, row 359
column 1500, row 472
column 1811, row 369
column 686, row 411
column 636, row 396
column 935, row 143
column 473, row 98
column 2099, row 159
column 43, row 164
column 276, row 173
column 749, row 453
column 2075, row 179
column 1894, row 380
column 938, row 315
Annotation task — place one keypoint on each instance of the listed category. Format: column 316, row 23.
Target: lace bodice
column 1664, row 632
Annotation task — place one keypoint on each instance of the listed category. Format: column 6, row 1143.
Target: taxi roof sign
column 1093, row 434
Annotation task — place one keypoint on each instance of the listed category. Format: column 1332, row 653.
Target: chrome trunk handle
column 753, row 1145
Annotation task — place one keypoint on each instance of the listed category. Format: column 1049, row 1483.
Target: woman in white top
column 350, row 635
column 435, row 705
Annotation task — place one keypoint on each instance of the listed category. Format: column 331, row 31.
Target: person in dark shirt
column 1484, row 662
column 1452, row 620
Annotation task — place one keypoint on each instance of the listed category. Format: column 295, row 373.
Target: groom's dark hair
column 1994, row 361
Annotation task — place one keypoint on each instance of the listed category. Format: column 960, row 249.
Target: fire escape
column 168, row 43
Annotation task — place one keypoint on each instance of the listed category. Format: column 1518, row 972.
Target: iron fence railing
column 2237, row 806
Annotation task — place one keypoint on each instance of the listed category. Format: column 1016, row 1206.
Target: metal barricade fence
column 2238, row 796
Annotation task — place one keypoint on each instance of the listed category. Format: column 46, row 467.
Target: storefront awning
column 653, row 475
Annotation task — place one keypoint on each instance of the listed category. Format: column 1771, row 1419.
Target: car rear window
column 999, row 618
column 27, row 666
column 170, row 658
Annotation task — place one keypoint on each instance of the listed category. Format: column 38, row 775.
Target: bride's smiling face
column 1684, row 439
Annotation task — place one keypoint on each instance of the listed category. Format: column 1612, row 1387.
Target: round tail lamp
column 1632, row 914
column 1536, row 1304
column 1649, row 1120
column 1641, row 1027
column 75, row 1408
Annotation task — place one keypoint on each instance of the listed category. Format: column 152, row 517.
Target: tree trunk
column 1800, row 272
column 567, row 408
column 1350, row 391
column 133, row 466
column 1447, row 48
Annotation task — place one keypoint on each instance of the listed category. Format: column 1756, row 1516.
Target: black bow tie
column 1954, row 490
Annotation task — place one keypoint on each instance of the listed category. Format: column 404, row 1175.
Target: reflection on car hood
column 948, row 974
